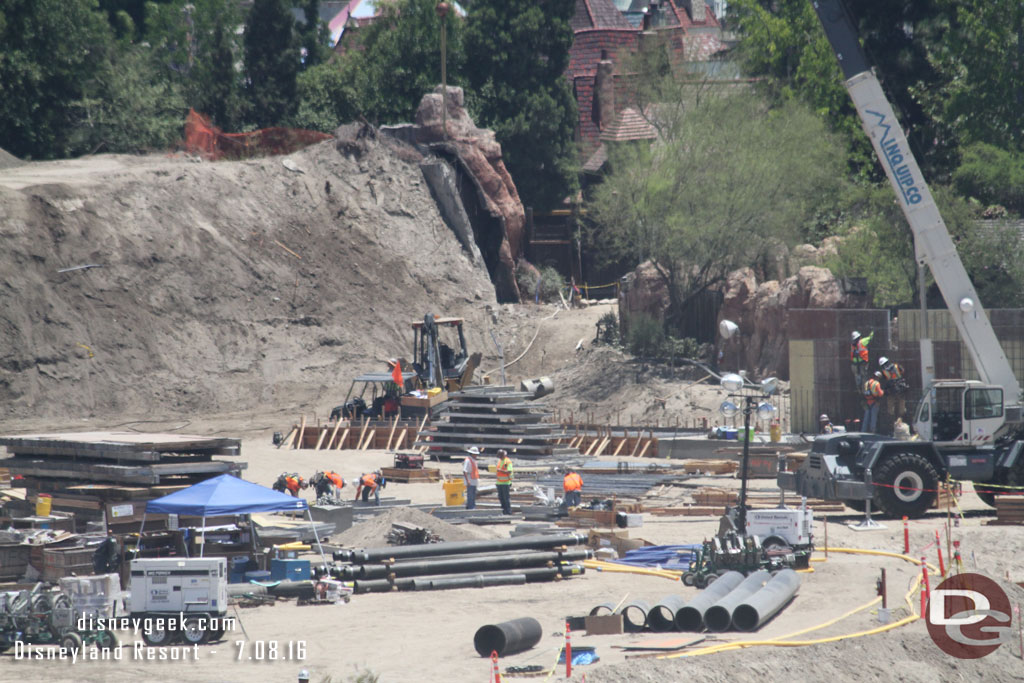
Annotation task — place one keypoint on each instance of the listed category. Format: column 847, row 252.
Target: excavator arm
column 933, row 245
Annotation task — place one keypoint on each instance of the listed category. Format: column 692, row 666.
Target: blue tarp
column 676, row 557
column 225, row 495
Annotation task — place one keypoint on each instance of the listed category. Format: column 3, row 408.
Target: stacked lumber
column 710, row 466
column 1009, row 510
column 493, row 418
column 86, row 472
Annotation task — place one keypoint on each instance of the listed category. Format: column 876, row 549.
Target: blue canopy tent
column 228, row 495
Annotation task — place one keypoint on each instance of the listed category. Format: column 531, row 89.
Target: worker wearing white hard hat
column 825, row 424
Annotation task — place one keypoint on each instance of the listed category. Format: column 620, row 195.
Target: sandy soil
column 397, row 635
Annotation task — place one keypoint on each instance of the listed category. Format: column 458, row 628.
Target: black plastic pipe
column 466, row 565
column 691, row 616
column 662, row 616
column 507, row 638
column 532, row 575
column 763, row 605
column 634, row 616
column 718, row 618
column 534, row 542
column 467, row 581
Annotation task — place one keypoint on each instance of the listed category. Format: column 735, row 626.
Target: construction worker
column 825, row 424
column 471, row 475
column 892, row 373
column 370, row 483
column 859, row 356
column 572, row 484
column 873, row 394
column 292, row 483
column 504, row 484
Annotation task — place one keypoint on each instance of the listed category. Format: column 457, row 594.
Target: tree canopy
column 517, row 52
column 732, row 178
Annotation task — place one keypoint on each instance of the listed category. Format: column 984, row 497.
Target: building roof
column 629, row 125
column 591, row 14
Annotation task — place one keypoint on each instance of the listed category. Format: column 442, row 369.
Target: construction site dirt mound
column 373, row 533
column 8, row 160
column 135, row 286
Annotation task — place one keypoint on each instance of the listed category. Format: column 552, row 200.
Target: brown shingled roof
column 628, row 125
column 598, row 14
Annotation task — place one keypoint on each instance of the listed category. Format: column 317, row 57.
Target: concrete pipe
column 535, row 542
column 507, row 638
column 718, row 618
column 236, row 589
column 691, row 616
column 542, row 386
column 764, row 604
column 634, row 616
column 603, row 609
column 662, row 616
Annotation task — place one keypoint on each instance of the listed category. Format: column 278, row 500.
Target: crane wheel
column 906, row 484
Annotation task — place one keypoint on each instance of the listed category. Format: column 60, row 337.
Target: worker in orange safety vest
column 859, row 356
column 371, row 483
column 572, row 484
column 504, row 483
column 873, row 394
column 292, row 483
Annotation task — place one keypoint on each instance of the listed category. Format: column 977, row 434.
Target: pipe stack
column 439, row 566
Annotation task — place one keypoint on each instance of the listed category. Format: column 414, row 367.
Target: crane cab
column 962, row 413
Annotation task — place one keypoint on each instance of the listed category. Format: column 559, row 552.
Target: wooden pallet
column 405, row 476
column 1009, row 510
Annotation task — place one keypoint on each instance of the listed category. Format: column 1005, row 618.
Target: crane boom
column 933, row 245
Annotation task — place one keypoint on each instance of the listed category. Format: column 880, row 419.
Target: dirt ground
column 428, row 636
column 231, row 299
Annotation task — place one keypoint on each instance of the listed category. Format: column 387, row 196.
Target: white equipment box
column 794, row 526
column 189, row 585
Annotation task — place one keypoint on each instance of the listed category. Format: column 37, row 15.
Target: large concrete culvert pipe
column 662, row 616
column 764, row 604
column 718, row 618
column 634, row 616
column 691, row 616
column 508, row 637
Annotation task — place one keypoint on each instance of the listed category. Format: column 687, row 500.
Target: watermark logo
column 968, row 616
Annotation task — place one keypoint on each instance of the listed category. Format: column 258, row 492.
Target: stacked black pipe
column 439, row 566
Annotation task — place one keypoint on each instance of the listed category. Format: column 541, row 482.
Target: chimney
column 604, row 93
column 698, row 11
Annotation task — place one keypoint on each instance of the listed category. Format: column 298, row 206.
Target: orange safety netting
column 210, row 142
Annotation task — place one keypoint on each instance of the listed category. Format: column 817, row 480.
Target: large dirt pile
column 219, row 286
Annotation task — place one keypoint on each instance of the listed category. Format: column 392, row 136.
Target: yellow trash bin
column 775, row 432
column 43, row 504
column 455, row 492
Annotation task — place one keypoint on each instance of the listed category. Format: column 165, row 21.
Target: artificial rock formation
column 761, row 311
column 443, row 125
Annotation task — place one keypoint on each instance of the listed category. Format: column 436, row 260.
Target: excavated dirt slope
column 219, row 286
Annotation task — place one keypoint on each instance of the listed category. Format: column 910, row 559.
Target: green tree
column 517, row 52
column 982, row 60
column 992, row 176
column 314, row 35
column 49, row 51
column 131, row 106
column 271, row 62
column 384, row 74
column 732, row 178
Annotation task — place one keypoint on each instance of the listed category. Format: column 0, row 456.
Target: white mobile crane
column 969, row 429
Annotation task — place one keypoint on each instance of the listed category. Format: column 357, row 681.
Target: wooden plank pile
column 710, row 466
column 710, row 501
column 405, row 476
column 492, row 418
column 1009, row 510
column 86, row 471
